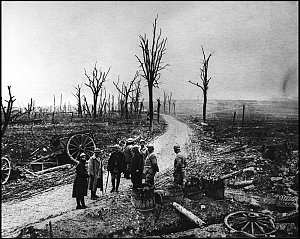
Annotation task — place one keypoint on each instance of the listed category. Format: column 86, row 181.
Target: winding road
column 57, row 201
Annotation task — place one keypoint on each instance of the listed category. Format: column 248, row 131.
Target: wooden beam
column 54, row 169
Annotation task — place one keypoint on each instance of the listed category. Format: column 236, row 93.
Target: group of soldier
column 136, row 162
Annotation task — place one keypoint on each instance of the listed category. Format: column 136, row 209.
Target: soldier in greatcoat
column 128, row 157
column 116, row 165
column 95, row 171
column 179, row 166
column 144, row 152
column 80, row 186
column 137, row 166
column 151, row 167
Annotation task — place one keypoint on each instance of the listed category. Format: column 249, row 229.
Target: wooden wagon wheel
column 5, row 169
column 78, row 144
column 256, row 224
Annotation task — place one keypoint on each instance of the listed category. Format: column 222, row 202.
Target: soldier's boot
column 78, row 203
column 93, row 195
column 118, row 183
column 82, row 202
column 113, row 185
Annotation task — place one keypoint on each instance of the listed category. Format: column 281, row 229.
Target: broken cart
column 75, row 143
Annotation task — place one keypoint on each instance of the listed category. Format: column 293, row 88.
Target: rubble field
column 257, row 162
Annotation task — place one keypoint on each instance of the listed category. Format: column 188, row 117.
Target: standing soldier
column 116, row 166
column 137, row 167
column 128, row 157
column 144, row 152
column 95, row 171
column 143, row 148
column 80, row 186
column 151, row 166
column 179, row 166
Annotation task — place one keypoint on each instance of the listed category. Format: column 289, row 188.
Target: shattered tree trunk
column 188, row 214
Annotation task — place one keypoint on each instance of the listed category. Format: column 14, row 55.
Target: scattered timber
column 188, row 214
column 28, row 171
column 234, row 150
column 242, row 183
column 65, row 166
column 236, row 172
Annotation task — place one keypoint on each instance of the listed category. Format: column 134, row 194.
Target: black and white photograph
column 149, row 119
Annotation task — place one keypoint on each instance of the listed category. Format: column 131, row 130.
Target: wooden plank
column 28, row 171
column 54, row 169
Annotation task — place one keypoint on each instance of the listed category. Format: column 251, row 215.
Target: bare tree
column 205, row 81
column 141, row 107
column 7, row 112
column 95, row 84
column 53, row 103
column 152, row 64
column 158, row 109
column 169, row 101
column 174, row 104
column 102, row 102
column 60, row 102
column 30, row 108
column 165, row 101
column 78, row 97
column 87, row 106
column 126, row 90
column 135, row 97
column 138, row 95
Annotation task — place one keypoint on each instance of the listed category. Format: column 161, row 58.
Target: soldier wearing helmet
column 144, row 152
column 151, row 167
column 179, row 166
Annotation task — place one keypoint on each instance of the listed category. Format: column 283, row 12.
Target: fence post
column 233, row 118
column 243, row 116
column 50, row 230
column 53, row 117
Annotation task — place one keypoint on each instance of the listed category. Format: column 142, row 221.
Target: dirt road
column 58, row 201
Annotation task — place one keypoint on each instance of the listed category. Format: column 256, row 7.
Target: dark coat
column 137, row 163
column 116, row 162
column 128, row 156
column 179, row 168
column 80, row 186
column 137, row 166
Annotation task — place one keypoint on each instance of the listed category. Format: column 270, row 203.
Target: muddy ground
column 213, row 150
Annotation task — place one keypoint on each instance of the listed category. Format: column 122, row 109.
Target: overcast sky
column 46, row 46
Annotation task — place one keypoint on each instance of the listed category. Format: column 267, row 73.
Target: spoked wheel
column 5, row 169
column 80, row 143
column 256, row 224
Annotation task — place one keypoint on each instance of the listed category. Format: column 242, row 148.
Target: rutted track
column 58, row 201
